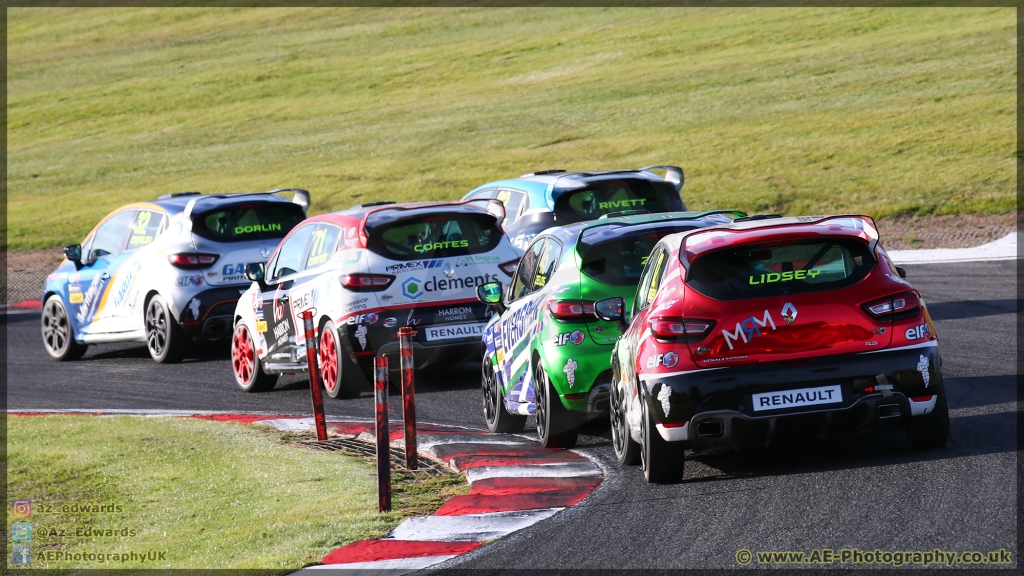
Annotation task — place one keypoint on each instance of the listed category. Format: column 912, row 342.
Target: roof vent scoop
column 176, row 194
column 542, row 173
column 301, row 196
column 673, row 175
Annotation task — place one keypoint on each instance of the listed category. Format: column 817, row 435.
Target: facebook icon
column 21, row 555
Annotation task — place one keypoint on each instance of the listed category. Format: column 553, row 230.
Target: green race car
column 546, row 353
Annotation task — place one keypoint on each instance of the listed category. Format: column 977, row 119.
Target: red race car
column 747, row 332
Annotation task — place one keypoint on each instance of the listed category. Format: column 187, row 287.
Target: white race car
column 366, row 272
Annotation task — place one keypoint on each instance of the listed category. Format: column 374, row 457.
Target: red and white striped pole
column 405, row 335
column 380, row 396
column 314, row 377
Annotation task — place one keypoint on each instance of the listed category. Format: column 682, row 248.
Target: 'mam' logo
column 412, row 288
column 748, row 329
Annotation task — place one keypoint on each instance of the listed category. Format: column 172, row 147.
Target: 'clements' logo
column 785, row 276
column 413, row 288
column 621, row 204
column 440, row 245
column 257, row 228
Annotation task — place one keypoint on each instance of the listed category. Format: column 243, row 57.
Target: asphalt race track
column 869, row 492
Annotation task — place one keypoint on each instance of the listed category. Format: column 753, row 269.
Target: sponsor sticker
column 403, row 267
column 797, row 398
column 748, row 329
column 261, row 326
column 917, row 332
column 456, row 331
column 575, row 337
column 390, row 322
column 189, row 280
column 570, row 371
column 668, row 360
column 76, row 297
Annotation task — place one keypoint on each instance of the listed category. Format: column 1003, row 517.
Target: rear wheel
column 627, row 450
column 553, row 420
column 245, row 363
column 340, row 375
column 58, row 338
column 164, row 338
column 931, row 430
column 499, row 420
column 662, row 460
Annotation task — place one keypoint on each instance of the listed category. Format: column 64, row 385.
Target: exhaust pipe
column 890, row 411
column 710, row 428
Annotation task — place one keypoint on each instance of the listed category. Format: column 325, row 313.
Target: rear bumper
column 713, row 409
column 216, row 311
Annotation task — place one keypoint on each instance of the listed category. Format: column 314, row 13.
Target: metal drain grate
column 354, row 447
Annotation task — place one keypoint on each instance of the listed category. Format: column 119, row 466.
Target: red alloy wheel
column 329, row 361
column 243, row 357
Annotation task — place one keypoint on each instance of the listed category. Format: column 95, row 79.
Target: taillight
column 571, row 310
column 902, row 305
column 192, row 260
column 366, row 282
column 509, row 267
column 680, row 329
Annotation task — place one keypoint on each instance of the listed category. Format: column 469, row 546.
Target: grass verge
column 207, row 494
column 795, row 110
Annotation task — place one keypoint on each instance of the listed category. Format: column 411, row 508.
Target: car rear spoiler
column 867, row 225
column 492, row 206
column 300, row 197
column 673, row 175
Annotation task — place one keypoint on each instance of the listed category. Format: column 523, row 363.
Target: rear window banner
column 791, row 268
column 435, row 236
column 251, row 222
column 602, row 198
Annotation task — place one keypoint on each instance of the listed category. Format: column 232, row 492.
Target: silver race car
column 163, row 272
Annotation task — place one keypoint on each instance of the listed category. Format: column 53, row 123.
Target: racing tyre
column 662, row 461
column 58, row 338
column 552, row 417
column 164, row 338
column 341, row 377
column 499, row 420
column 627, row 450
column 931, row 430
column 245, row 363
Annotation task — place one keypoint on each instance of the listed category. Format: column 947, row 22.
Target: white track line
column 394, row 566
column 567, row 470
column 1003, row 249
column 468, row 528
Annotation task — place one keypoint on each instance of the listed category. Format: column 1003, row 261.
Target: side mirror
column 902, row 272
column 611, row 310
column 489, row 293
column 255, row 271
column 73, row 252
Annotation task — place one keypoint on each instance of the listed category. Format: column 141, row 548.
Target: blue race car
column 537, row 201
column 163, row 272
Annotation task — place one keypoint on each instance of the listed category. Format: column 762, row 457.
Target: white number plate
column 797, row 398
column 454, row 331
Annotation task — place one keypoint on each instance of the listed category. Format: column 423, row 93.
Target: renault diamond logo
column 264, row 250
column 448, row 270
column 789, row 313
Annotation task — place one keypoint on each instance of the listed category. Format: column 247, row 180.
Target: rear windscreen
column 435, row 236
column 610, row 196
column 780, row 269
column 620, row 261
column 261, row 221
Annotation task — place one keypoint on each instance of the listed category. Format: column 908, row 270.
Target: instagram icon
column 21, row 508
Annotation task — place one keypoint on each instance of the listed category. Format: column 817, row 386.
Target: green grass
column 210, row 494
column 884, row 111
